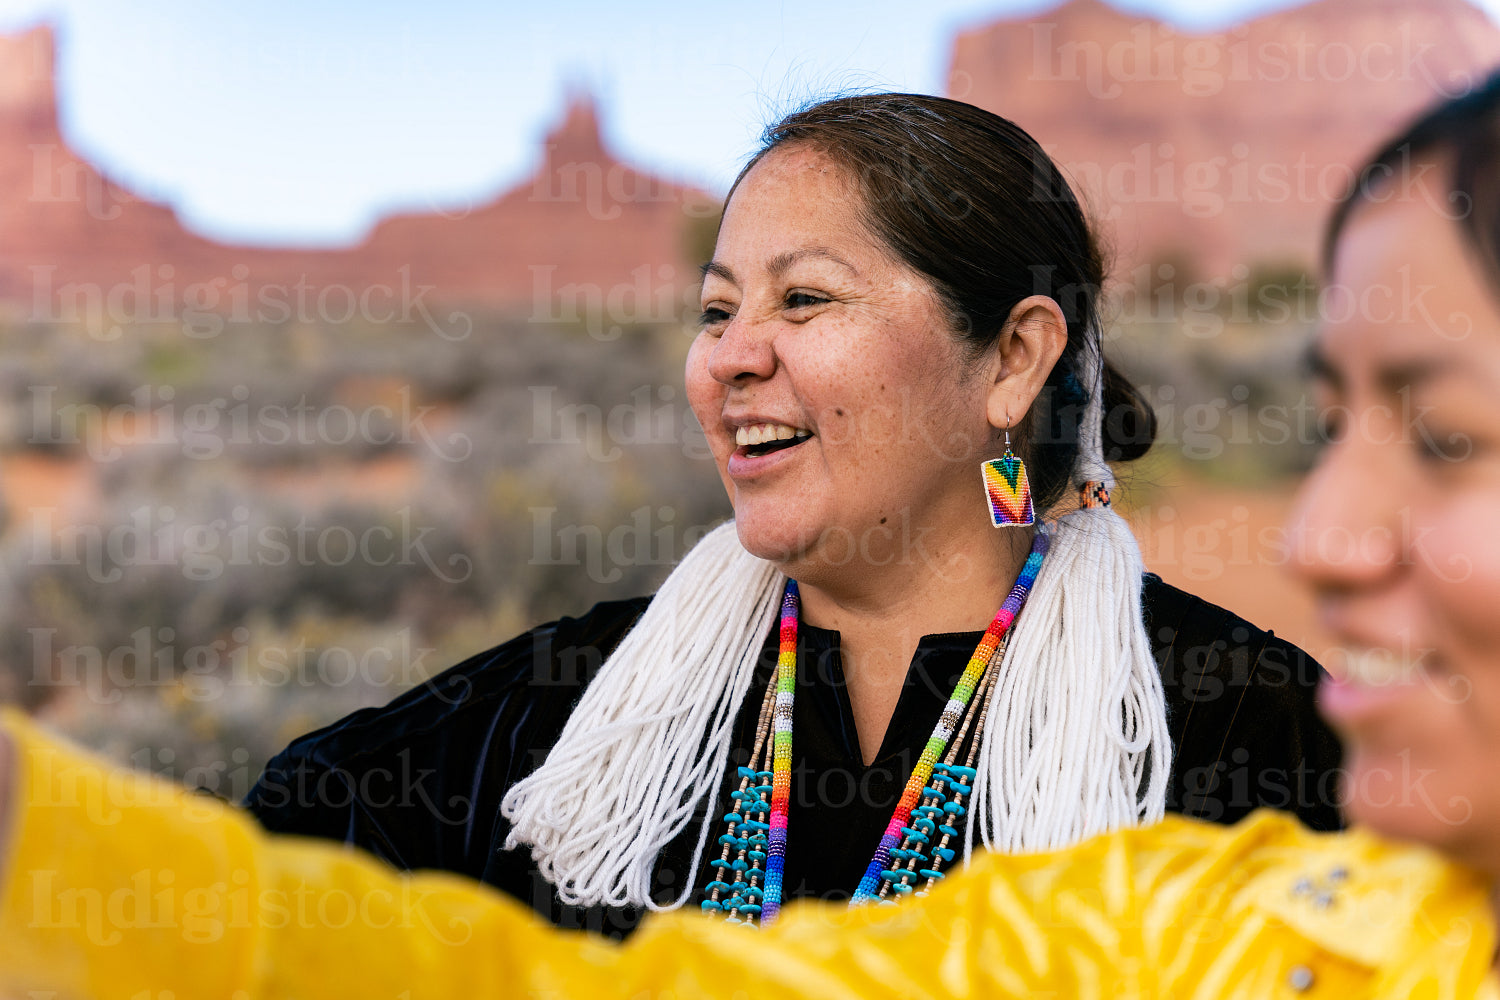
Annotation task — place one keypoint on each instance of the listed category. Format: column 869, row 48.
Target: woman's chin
column 772, row 535
column 1397, row 797
column 777, row 544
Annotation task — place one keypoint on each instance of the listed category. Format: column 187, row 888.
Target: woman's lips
column 1362, row 683
column 743, row 465
column 1343, row 702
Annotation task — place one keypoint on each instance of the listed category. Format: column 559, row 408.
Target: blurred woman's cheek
column 1457, row 555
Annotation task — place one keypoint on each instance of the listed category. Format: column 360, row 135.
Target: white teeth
column 761, row 433
column 1378, row 667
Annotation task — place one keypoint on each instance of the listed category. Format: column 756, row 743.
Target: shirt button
column 1300, row 979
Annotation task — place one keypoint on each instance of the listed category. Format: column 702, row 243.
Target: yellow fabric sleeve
column 119, row 885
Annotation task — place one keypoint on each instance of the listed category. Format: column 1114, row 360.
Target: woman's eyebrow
column 779, row 264
column 718, row 270
column 1390, row 378
column 1395, row 377
column 782, row 261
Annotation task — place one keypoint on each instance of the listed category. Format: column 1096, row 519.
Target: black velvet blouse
column 419, row 781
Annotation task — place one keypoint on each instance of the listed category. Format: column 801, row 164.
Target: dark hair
column 969, row 200
column 1465, row 131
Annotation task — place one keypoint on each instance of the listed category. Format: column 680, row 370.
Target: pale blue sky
column 301, row 121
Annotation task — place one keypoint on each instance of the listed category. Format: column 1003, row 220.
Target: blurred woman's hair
column 1463, row 136
column 971, row 201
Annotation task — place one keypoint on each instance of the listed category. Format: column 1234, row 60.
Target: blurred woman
column 1397, row 526
column 903, row 293
column 1393, row 531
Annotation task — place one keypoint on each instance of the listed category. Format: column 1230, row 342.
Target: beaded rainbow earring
column 1008, row 489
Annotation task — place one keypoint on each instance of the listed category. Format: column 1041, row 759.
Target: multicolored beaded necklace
column 930, row 805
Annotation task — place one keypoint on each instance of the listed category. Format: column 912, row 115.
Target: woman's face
column 1398, row 528
column 834, row 396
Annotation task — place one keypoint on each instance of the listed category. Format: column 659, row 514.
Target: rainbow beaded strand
column 916, row 787
column 781, row 753
column 938, row 742
column 942, row 804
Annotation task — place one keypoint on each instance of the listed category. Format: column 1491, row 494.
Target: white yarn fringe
column 1076, row 742
column 649, row 739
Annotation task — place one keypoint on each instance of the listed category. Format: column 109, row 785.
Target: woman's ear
column 1026, row 351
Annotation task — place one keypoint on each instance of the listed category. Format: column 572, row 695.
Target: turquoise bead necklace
column 930, row 839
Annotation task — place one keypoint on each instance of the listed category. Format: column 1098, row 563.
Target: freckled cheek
column 830, row 399
column 706, row 397
column 878, row 420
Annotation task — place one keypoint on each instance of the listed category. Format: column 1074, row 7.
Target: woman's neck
column 882, row 612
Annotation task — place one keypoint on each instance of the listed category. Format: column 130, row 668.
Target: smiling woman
column 1408, row 367
column 860, row 681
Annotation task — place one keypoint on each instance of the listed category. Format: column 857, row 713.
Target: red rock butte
column 1222, row 149
column 585, row 235
column 1209, row 151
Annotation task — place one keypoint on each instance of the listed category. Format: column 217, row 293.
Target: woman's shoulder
column 1241, row 707
column 419, row 781
column 1191, row 635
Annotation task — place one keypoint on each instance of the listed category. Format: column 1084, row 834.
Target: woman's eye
column 1329, row 427
column 801, row 300
column 1442, row 446
column 713, row 316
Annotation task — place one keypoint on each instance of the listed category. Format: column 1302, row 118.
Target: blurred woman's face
column 1398, row 528
column 832, row 391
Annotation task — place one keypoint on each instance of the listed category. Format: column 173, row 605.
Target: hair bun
column 1128, row 422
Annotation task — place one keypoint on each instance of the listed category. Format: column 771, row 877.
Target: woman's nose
column 1345, row 529
column 744, row 351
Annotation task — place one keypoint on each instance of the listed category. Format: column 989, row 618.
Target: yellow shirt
column 120, row 885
